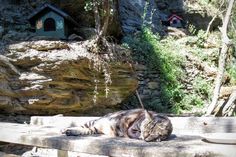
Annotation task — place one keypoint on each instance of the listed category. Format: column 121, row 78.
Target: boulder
column 59, row 77
column 87, row 32
column 74, row 37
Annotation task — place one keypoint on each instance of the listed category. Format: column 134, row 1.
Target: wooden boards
column 183, row 144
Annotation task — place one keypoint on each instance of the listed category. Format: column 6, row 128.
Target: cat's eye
column 135, row 130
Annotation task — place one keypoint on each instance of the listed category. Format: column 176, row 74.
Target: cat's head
column 155, row 128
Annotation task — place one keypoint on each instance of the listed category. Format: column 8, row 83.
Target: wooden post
column 62, row 153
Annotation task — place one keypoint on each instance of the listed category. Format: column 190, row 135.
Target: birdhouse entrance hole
column 49, row 25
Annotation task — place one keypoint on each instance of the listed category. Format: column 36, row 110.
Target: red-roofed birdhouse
column 175, row 21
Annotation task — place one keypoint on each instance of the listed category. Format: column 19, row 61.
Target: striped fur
column 137, row 124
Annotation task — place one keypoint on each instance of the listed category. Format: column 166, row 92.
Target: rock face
column 51, row 77
column 7, row 72
column 136, row 14
column 13, row 20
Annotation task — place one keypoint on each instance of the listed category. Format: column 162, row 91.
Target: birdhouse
column 175, row 21
column 52, row 22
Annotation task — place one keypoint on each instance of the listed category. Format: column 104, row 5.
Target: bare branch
column 222, row 59
column 212, row 20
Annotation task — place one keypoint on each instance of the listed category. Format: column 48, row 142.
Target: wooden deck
column 185, row 141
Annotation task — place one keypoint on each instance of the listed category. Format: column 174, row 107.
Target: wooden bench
column 186, row 139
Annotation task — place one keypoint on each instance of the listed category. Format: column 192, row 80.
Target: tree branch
column 212, row 20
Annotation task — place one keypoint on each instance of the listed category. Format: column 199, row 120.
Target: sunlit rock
column 60, row 77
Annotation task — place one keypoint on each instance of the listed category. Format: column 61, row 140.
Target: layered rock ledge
column 51, row 77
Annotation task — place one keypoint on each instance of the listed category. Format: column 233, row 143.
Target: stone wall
column 149, row 87
column 149, row 90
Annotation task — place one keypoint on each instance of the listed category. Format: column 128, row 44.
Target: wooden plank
column 2, row 154
column 50, row 137
column 59, row 121
column 201, row 125
column 181, row 125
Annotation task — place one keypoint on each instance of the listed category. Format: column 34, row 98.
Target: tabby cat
column 137, row 124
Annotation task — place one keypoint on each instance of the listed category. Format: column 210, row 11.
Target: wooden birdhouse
column 175, row 21
column 52, row 22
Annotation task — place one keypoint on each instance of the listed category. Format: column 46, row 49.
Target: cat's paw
column 68, row 132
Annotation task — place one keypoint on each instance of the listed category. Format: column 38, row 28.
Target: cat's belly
column 107, row 127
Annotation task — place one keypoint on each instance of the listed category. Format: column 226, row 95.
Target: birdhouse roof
column 174, row 16
column 48, row 7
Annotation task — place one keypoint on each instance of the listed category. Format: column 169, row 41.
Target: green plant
column 202, row 87
column 196, row 101
column 204, row 2
column 201, row 35
column 231, row 68
column 192, row 29
column 188, row 102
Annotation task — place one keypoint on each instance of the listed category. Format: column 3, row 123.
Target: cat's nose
column 141, row 137
column 158, row 140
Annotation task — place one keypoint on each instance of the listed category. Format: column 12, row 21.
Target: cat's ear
column 148, row 115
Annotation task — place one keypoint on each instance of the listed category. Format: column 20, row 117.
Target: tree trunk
column 223, row 55
column 102, row 31
column 107, row 17
column 230, row 106
column 97, row 17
